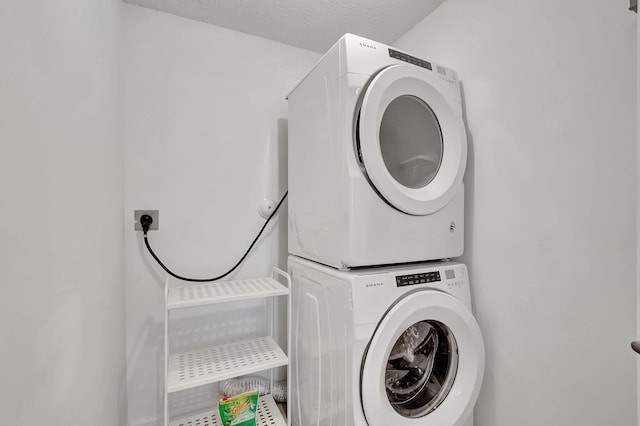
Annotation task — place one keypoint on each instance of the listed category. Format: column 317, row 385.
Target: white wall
column 62, row 360
column 205, row 135
column 551, row 201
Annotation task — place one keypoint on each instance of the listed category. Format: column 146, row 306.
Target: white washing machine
column 377, row 152
column 383, row 346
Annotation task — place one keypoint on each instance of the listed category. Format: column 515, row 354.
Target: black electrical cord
column 146, row 220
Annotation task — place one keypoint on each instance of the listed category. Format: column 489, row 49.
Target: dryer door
column 425, row 362
column 411, row 142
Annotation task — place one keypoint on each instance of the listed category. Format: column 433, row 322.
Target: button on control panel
column 410, row 59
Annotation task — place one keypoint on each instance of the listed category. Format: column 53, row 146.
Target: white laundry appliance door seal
column 425, row 362
column 412, row 143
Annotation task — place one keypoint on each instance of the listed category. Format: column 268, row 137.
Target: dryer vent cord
column 146, row 220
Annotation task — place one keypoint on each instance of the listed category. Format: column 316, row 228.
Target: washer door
column 424, row 363
column 411, row 142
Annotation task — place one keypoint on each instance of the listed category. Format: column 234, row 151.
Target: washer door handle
column 635, row 346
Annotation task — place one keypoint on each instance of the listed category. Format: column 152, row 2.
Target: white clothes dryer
column 384, row 346
column 377, row 151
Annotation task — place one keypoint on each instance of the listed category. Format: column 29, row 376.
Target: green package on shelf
column 239, row 410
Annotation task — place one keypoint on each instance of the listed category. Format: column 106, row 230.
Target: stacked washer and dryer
column 382, row 332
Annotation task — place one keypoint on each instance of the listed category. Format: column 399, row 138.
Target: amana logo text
column 374, row 285
column 370, row 46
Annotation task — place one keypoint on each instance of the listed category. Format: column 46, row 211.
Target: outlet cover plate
column 155, row 214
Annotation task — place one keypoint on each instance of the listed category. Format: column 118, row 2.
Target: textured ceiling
column 311, row 24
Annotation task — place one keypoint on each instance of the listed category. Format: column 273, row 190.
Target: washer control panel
column 451, row 277
column 410, row 59
column 413, row 279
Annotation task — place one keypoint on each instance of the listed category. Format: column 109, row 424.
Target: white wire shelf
column 268, row 415
column 203, row 366
column 224, row 291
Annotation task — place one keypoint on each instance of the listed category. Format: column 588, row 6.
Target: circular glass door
column 424, row 362
column 411, row 140
column 421, row 368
